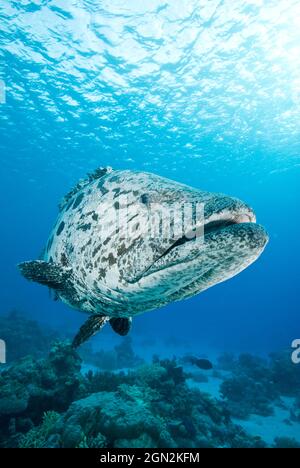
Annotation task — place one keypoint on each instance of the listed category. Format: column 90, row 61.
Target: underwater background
column 203, row 92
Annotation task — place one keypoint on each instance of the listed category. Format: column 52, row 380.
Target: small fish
column 203, row 364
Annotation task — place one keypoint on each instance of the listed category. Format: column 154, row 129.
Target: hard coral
column 31, row 387
column 24, row 336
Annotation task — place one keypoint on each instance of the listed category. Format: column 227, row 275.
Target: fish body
column 201, row 363
column 110, row 256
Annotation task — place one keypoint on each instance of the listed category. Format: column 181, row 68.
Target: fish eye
column 145, row 199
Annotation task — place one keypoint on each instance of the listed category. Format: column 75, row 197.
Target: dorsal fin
column 97, row 174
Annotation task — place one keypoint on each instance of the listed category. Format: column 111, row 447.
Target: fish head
column 174, row 241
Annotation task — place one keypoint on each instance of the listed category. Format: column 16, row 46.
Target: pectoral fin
column 49, row 274
column 120, row 325
column 93, row 324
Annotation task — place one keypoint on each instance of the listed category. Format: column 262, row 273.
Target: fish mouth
column 229, row 237
column 225, row 222
column 213, row 225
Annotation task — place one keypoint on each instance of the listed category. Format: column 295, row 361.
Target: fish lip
column 219, row 221
column 238, row 216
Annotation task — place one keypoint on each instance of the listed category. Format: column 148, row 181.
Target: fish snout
column 222, row 208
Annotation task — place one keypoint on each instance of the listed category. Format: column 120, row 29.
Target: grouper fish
column 110, row 255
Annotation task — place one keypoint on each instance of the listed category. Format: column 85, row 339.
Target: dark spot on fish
column 111, row 259
column 97, row 174
column 70, row 249
column 64, row 259
column 117, row 205
column 60, row 228
column 102, row 273
column 95, row 217
column 134, row 216
column 121, row 250
column 103, row 190
column 135, row 193
column 85, row 227
column 106, row 241
column 145, row 199
column 78, row 200
column 97, row 249
column 87, row 214
column 69, row 205
column 83, row 248
column 117, row 191
column 113, row 179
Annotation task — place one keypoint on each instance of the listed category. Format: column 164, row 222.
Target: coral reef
column 121, row 356
column 249, row 390
column 105, row 381
column 285, row 442
column 295, row 410
column 256, row 384
column 285, row 374
column 31, row 387
column 31, row 338
column 48, row 403
column 243, row 397
column 40, row 436
column 199, row 377
column 227, row 361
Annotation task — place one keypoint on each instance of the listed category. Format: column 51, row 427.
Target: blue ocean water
column 203, row 92
column 206, row 93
